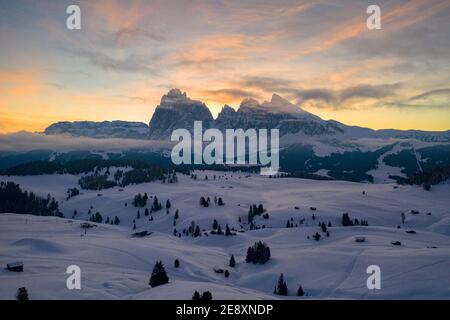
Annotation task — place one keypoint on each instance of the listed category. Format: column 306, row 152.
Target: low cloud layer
column 27, row 141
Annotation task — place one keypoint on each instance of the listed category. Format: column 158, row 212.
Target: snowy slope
column 116, row 266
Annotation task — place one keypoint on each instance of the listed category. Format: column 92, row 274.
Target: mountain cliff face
column 105, row 129
column 175, row 111
column 275, row 114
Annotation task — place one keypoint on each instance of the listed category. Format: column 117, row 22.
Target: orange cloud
column 396, row 19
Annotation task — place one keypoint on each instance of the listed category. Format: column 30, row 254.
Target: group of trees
column 258, row 253
column 255, row 210
column 217, row 229
column 347, row 221
column 282, row 289
column 205, row 202
column 97, row 217
column 96, row 182
column 171, row 177
column 290, row 223
column 428, row 177
column 140, row 200
column 205, row 296
column 193, row 230
column 156, row 205
column 72, row 192
column 14, row 200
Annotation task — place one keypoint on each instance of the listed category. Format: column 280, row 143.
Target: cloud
column 432, row 93
column 432, row 99
column 134, row 63
column 26, row 141
column 343, row 98
column 333, row 98
column 393, row 20
column 369, row 91
column 229, row 94
column 269, row 84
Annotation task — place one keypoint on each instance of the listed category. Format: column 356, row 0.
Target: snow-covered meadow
column 115, row 265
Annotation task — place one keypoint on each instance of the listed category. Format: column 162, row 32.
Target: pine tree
column 227, row 231
column 196, row 296
column 300, row 292
column 22, row 294
column 156, row 205
column 323, row 227
column 197, row 232
column 215, row 224
column 168, row 205
column 177, row 263
column 227, row 273
column 206, row 296
column 176, row 214
column 159, row 275
column 282, row 289
column 346, row 221
column 138, row 216
column 220, row 202
column 146, row 213
column 232, row 263
column 116, row 220
column 134, row 226
column 260, row 208
column 317, row 236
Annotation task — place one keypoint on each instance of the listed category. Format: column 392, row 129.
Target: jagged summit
column 175, row 98
column 248, row 104
column 177, row 110
column 279, row 104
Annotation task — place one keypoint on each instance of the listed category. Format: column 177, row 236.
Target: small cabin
column 87, row 225
column 15, row 266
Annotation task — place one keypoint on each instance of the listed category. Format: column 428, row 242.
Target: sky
column 318, row 54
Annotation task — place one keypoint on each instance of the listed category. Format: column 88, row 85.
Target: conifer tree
column 300, row 292
column 159, row 275
column 196, row 296
column 282, row 289
column 22, row 294
column 232, row 263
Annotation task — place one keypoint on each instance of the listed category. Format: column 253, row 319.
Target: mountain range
column 308, row 144
column 177, row 110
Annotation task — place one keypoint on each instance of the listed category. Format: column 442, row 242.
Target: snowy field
column 115, row 265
